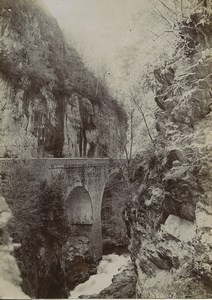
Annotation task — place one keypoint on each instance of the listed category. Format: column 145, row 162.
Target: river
column 109, row 266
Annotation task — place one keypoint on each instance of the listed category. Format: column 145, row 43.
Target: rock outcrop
column 49, row 104
column 114, row 231
column 170, row 219
column 10, row 280
column 76, row 261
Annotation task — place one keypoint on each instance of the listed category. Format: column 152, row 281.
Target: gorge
column 75, row 198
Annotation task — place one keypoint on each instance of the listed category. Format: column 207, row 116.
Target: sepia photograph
column 105, row 149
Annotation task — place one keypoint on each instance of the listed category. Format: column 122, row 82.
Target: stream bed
column 108, row 267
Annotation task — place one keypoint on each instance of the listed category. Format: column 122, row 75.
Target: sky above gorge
column 121, row 35
column 97, row 26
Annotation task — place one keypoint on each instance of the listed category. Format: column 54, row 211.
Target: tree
column 136, row 98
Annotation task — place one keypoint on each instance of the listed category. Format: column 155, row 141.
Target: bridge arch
column 79, row 206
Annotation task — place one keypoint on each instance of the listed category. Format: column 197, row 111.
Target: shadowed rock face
column 114, row 231
column 10, row 280
column 77, row 262
column 170, row 220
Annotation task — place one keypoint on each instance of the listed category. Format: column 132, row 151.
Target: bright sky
column 102, row 30
column 97, row 25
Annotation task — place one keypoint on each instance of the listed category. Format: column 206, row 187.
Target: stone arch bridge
column 84, row 182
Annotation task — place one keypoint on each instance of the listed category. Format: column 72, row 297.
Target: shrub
column 22, row 194
column 52, row 209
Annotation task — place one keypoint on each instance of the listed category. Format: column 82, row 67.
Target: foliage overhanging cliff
column 169, row 220
column 48, row 97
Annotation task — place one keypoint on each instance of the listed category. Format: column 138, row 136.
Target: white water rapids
column 109, row 266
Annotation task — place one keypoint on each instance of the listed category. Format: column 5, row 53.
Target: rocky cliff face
column 9, row 272
column 114, row 231
column 49, row 104
column 170, row 219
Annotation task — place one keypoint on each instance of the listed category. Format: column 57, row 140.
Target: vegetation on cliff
column 9, row 272
column 169, row 219
column 45, row 59
column 36, row 61
column 39, row 226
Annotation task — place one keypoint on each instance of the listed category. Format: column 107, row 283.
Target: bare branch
column 158, row 36
column 134, row 97
column 169, row 9
column 162, row 16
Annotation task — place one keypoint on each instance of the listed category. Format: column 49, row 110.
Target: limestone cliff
column 49, row 104
column 170, row 219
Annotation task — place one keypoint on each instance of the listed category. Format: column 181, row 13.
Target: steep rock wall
column 170, row 220
column 114, row 231
column 48, row 100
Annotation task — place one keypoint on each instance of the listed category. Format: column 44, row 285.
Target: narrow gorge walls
column 114, row 231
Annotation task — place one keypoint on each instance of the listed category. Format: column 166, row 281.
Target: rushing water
column 109, row 266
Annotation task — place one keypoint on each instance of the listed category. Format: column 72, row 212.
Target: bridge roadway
column 83, row 184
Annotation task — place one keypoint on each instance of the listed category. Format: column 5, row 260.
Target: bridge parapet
column 70, row 161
